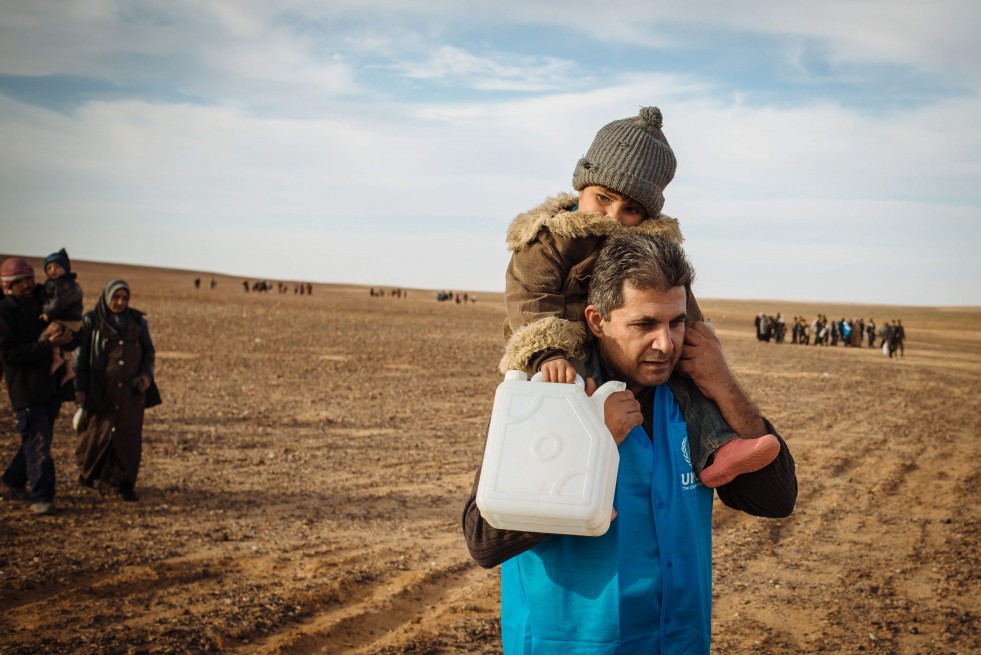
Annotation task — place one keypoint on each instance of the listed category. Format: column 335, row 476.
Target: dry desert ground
column 302, row 486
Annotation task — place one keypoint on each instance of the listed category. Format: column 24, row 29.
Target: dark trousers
column 33, row 462
column 707, row 429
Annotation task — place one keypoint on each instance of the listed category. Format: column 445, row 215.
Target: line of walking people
column 823, row 332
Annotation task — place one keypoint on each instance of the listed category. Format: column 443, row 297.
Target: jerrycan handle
column 537, row 377
column 599, row 396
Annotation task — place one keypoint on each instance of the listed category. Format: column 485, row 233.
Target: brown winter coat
column 111, row 442
column 553, row 250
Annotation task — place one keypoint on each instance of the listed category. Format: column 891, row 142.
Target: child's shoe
column 739, row 456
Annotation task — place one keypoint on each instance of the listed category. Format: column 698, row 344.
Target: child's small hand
column 44, row 317
column 558, row 370
column 622, row 414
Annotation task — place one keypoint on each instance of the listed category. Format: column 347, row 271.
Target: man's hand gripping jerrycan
column 550, row 463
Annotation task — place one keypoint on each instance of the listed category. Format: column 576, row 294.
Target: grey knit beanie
column 632, row 157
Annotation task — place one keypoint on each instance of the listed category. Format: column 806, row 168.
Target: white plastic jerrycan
column 550, row 463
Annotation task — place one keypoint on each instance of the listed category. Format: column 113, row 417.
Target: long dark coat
column 108, row 363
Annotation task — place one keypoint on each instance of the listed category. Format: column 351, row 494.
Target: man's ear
column 594, row 321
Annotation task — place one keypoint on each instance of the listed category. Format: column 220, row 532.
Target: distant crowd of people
column 391, row 293
column 441, row 296
column 820, row 331
column 458, row 298
column 264, row 286
column 305, row 288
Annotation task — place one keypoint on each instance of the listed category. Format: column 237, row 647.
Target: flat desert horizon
column 302, row 485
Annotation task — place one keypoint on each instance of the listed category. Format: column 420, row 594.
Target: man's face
column 23, row 288
column 641, row 342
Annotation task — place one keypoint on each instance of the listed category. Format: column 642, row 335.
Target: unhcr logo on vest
column 689, row 481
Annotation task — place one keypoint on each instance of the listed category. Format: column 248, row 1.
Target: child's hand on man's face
column 558, row 370
column 704, row 361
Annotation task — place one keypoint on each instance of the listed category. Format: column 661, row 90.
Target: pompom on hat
column 13, row 269
column 630, row 156
column 60, row 258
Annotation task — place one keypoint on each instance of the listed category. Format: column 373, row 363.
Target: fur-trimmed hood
column 556, row 214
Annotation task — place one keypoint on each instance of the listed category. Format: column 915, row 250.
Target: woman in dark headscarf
column 114, row 373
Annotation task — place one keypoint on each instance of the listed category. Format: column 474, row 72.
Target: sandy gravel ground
column 302, row 487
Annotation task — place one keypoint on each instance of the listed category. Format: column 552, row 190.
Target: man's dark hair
column 646, row 262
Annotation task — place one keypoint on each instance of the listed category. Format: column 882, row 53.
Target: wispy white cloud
column 497, row 72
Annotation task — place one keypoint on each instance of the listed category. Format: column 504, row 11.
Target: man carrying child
column 621, row 182
column 27, row 346
column 646, row 585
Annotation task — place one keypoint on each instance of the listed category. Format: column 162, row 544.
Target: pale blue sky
column 827, row 150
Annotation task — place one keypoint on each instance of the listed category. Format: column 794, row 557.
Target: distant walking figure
column 762, row 323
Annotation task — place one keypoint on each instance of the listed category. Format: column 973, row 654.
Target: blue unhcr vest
column 643, row 587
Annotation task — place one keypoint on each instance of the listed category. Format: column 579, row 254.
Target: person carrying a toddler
column 620, row 184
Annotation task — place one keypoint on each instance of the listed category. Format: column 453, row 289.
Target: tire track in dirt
column 857, row 477
column 381, row 604
column 845, row 474
column 129, row 581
